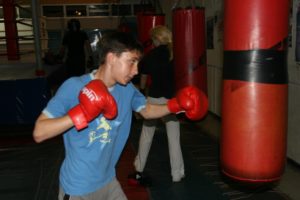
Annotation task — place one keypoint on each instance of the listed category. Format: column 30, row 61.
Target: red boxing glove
column 94, row 99
column 190, row 100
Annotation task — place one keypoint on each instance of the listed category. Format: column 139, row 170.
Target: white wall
column 293, row 150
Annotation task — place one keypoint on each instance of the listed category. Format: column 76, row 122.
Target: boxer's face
column 125, row 66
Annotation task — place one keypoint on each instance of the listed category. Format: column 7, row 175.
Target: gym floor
column 203, row 178
column 29, row 171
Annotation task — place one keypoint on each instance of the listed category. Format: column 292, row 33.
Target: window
column 99, row 10
column 53, row 11
column 105, row 9
column 142, row 8
column 1, row 12
column 121, row 10
column 76, row 10
column 24, row 12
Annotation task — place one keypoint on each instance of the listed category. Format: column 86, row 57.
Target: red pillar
column 11, row 32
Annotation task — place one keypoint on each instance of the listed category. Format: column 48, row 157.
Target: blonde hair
column 164, row 36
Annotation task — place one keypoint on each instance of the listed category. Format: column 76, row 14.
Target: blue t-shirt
column 92, row 153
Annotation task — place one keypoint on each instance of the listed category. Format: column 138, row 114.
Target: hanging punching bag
column 189, row 48
column 146, row 21
column 255, row 90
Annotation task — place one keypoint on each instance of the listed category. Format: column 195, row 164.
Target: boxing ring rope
column 27, row 84
column 11, row 31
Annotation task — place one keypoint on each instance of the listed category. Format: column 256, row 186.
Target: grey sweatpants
column 173, row 134
column 111, row 191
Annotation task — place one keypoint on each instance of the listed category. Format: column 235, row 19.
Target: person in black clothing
column 75, row 43
column 158, row 64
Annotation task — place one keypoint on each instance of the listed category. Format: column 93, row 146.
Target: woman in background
column 158, row 64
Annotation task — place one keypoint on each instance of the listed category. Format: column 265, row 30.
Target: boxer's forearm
column 152, row 111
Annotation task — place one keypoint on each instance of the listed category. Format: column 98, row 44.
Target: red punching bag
column 145, row 22
column 255, row 90
column 189, row 48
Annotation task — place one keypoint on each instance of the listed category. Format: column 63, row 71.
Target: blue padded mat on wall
column 22, row 100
